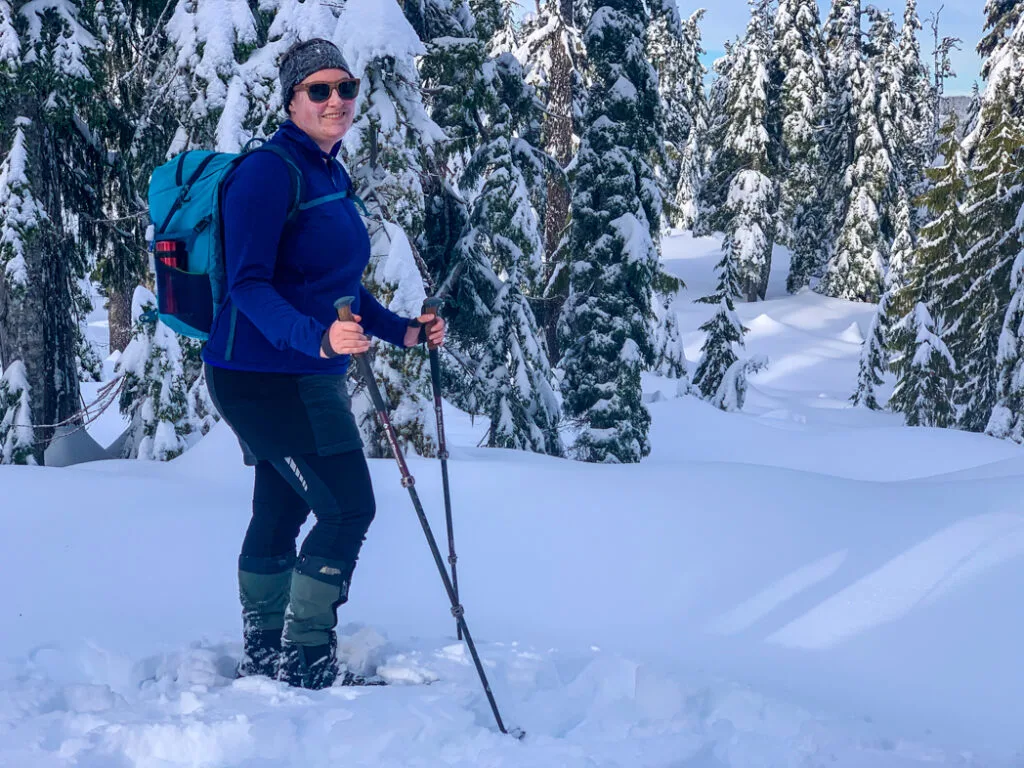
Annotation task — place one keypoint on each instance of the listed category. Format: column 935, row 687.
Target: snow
column 799, row 583
column 371, row 29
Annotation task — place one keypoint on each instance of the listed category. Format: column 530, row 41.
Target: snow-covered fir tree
column 693, row 155
column 936, row 256
column 724, row 334
column 665, row 49
column 857, row 266
column 134, row 130
column 1007, row 418
column 719, row 165
column 504, row 247
column 920, row 113
column 554, row 57
column 50, row 160
column 939, row 250
column 926, row 373
column 892, row 108
column 210, row 39
column 979, row 291
column 495, row 25
column 669, row 355
column 387, row 147
column 1001, row 19
column 615, row 231
column 842, row 38
column 17, row 439
column 752, row 198
column 798, row 63
column 875, row 353
column 154, row 396
column 873, row 360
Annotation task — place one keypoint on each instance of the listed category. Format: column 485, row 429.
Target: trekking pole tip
column 344, row 307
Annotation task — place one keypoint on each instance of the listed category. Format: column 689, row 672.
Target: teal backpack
column 186, row 238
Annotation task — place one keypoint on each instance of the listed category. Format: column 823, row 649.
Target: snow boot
column 263, row 587
column 318, row 587
column 309, row 666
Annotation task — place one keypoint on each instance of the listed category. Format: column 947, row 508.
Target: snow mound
column 852, row 334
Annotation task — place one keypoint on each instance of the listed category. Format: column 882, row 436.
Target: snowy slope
column 801, row 584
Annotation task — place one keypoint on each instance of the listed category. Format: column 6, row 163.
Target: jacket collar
column 293, row 133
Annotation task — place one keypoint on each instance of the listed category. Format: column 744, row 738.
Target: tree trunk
column 119, row 319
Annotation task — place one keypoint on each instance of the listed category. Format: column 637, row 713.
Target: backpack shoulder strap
column 293, row 169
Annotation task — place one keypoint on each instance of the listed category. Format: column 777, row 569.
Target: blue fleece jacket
column 284, row 277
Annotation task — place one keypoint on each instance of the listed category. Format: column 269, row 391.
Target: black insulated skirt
column 281, row 414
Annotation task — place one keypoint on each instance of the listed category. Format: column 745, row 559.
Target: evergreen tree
column 797, row 61
column 669, row 355
column 504, row 248
column 154, row 396
column 554, row 56
column 936, row 256
column 873, row 360
column 719, row 163
column 387, row 148
column 1001, row 19
column 841, row 33
column 664, row 43
column 855, row 270
column 717, row 353
column 1007, row 419
column 210, row 39
column 135, row 128
column 978, row 293
column 724, row 330
column 920, row 108
column 52, row 74
column 614, row 236
column 495, row 25
column 751, row 201
column 692, row 158
column 16, row 434
column 926, row 373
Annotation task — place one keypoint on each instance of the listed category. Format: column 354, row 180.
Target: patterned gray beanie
column 303, row 59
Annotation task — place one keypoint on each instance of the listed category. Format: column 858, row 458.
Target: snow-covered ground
column 800, row 584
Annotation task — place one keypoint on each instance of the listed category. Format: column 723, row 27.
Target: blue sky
column 960, row 18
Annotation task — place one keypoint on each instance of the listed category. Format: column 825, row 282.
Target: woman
column 276, row 362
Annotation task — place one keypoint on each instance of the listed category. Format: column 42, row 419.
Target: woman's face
column 327, row 121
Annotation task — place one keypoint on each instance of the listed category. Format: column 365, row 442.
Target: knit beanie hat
column 303, row 59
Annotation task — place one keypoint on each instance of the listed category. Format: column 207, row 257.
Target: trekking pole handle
column 430, row 307
column 344, row 307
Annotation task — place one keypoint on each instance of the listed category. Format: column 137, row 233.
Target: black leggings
column 336, row 488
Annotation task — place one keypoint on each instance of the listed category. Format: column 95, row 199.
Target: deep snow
column 800, row 584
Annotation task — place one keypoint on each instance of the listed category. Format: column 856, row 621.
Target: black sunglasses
column 318, row 93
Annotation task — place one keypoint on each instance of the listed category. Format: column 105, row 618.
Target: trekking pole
column 430, row 307
column 344, row 307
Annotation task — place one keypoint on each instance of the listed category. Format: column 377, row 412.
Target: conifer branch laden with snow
column 17, row 438
column 155, row 394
